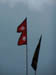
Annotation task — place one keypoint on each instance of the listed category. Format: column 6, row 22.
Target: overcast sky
column 41, row 19
column 32, row 4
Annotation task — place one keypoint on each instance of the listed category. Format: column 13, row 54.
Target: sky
column 41, row 19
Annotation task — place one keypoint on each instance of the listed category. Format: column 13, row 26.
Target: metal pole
column 26, row 54
column 26, row 60
column 35, row 72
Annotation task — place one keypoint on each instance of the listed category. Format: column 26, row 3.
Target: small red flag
column 23, row 28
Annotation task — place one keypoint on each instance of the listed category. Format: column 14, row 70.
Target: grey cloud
column 31, row 4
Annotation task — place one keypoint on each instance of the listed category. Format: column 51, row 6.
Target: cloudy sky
column 41, row 19
column 32, row 4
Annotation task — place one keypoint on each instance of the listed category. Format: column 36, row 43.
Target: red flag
column 23, row 28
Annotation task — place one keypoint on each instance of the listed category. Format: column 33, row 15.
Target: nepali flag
column 22, row 28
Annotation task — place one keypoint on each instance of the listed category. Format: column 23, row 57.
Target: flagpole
column 26, row 60
column 35, row 72
column 26, row 55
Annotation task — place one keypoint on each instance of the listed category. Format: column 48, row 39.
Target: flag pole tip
column 41, row 36
column 26, row 18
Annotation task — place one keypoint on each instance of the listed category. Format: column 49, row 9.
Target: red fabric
column 22, row 28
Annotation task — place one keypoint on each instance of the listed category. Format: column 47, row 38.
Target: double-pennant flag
column 22, row 28
column 36, row 55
